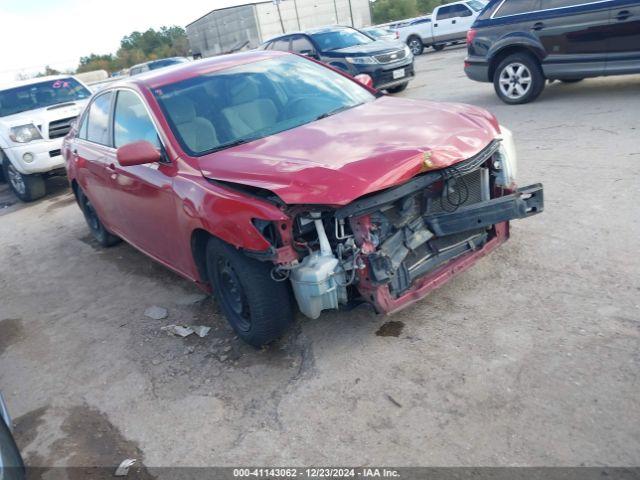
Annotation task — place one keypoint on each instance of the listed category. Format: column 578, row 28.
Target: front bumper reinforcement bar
column 525, row 202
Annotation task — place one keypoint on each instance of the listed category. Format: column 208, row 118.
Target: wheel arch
column 199, row 239
column 507, row 50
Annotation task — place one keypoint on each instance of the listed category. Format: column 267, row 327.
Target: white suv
column 35, row 115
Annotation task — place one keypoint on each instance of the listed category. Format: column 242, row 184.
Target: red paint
column 160, row 207
column 471, row 34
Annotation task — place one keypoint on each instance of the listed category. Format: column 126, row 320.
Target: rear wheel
column 258, row 308
column 99, row 232
column 399, row 88
column 518, row 79
column 438, row 47
column 415, row 45
column 26, row 187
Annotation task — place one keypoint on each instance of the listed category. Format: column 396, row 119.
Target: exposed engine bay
column 390, row 240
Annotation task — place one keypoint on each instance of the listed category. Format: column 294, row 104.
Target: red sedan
column 263, row 174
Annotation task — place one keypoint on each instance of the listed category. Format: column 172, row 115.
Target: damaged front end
column 392, row 247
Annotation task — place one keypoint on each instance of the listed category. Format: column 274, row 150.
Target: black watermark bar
column 310, row 473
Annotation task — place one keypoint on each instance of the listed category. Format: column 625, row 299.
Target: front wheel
column 518, row 79
column 399, row 88
column 415, row 45
column 258, row 308
column 26, row 187
column 98, row 230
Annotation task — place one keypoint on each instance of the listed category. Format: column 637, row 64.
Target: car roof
column 184, row 71
column 311, row 31
column 31, row 81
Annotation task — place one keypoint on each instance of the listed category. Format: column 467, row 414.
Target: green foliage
column 139, row 47
column 391, row 10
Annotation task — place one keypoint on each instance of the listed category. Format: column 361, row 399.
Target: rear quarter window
column 517, row 7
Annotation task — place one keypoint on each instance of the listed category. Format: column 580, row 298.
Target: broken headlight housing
column 505, row 160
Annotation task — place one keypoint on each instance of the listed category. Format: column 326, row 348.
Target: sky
column 35, row 33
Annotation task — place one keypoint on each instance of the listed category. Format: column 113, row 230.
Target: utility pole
column 277, row 3
column 335, row 8
column 295, row 5
column 351, row 14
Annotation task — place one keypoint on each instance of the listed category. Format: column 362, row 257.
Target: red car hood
column 335, row 160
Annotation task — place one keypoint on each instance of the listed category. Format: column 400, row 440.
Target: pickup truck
column 35, row 115
column 447, row 24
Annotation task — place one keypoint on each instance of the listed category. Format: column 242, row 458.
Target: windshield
column 476, row 5
column 225, row 108
column 337, row 39
column 377, row 32
column 40, row 95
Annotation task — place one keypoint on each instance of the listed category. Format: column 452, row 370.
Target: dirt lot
column 531, row 358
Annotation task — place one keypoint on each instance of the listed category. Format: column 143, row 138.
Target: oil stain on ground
column 10, row 332
column 92, row 447
column 26, row 426
column 390, row 329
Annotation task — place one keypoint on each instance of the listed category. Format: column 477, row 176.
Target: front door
column 624, row 37
column 143, row 194
column 573, row 34
column 452, row 22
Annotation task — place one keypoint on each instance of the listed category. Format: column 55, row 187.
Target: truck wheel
column 26, row 187
column 397, row 89
column 438, row 47
column 99, row 232
column 518, row 79
column 258, row 308
column 415, row 45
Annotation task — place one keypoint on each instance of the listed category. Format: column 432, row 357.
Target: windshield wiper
column 234, row 143
column 337, row 110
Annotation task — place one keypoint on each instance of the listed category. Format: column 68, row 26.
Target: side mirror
column 309, row 53
column 364, row 79
column 138, row 153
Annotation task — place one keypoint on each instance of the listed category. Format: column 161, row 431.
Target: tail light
column 471, row 34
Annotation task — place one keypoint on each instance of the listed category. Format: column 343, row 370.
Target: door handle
column 435, row 24
column 74, row 152
column 453, row 21
column 623, row 15
column 112, row 167
column 537, row 26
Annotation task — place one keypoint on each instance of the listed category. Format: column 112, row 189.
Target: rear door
column 93, row 151
column 143, row 193
column 624, row 37
column 574, row 36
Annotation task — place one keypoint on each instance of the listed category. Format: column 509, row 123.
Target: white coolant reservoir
column 317, row 280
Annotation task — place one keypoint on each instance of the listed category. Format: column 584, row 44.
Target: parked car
column 447, row 24
column 389, row 64
column 35, row 115
column 262, row 173
column 11, row 463
column 155, row 64
column 381, row 33
column 519, row 45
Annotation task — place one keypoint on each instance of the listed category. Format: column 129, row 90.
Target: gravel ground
column 530, row 358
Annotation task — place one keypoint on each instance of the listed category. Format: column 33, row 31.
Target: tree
column 139, row 47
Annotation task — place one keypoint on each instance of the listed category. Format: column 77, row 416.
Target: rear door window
column 517, row 7
column 98, row 126
column 281, row 44
column 300, row 43
column 547, row 4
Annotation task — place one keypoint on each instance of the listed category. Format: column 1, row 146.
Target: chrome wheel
column 415, row 46
column 16, row 180
column 515, row 80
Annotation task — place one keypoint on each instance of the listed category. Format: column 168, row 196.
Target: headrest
column 243, row 91
column 181, row 110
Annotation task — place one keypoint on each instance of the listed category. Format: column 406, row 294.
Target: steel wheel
column 16, row 180
column 515, row 80
column 233, row 294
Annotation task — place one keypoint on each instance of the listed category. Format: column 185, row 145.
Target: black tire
column 571, row 80
column 415, row 45
column 438, row 47
column 98, row 230
column 399, row 88
column 26, row 187
column 510, row 76
column 258, row 308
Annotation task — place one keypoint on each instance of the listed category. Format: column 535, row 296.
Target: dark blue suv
column 388, row 63
column 519, row 44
